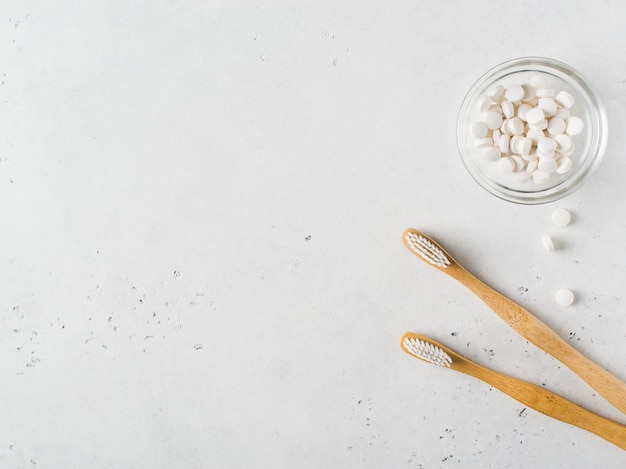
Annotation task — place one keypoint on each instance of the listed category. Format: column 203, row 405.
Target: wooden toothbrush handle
column 547, row 403
column 535, row 331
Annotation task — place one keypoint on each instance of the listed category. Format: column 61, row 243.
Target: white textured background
column 201, row 206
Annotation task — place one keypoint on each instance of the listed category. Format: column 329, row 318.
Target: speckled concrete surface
column 201, row 206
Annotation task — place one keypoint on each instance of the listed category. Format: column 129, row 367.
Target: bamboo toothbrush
column 523, row 322
column 532, row 396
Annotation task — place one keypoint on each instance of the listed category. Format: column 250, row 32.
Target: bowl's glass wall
column 590, row 144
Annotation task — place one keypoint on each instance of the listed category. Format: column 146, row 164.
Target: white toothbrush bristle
column 427, row 250
column 427, row 351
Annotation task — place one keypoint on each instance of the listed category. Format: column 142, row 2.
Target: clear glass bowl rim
column 597, row 113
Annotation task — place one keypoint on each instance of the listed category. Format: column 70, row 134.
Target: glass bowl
column 589, row 145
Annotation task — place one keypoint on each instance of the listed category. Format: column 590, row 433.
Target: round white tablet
column 491, row 154
column 546, row 146
column 556, row 126
column 561, row 217
column 564, row 296
column 539, row 81
column 545, row 93
column 565, row 99
column 516, row 126
column 480, row 130
column 497, row 93
column 535, row 135
column 508, row 109
column 539, row 177
column 547, row 165
column 564, row 165
column 535, row 116
column 514, row 93
column 529, row 92
column 495, row 135
column 483, row 103
column 484, row 142
column 548, row 106
column 563, row 143
column 506, row 164
column 543, row 125
column 522, row 110
column 493, row 120
column 547, row 243
column 532, row 165
column 575, row 125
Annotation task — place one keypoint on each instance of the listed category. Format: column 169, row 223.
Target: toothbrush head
column 426, row 248
column 426, row 350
